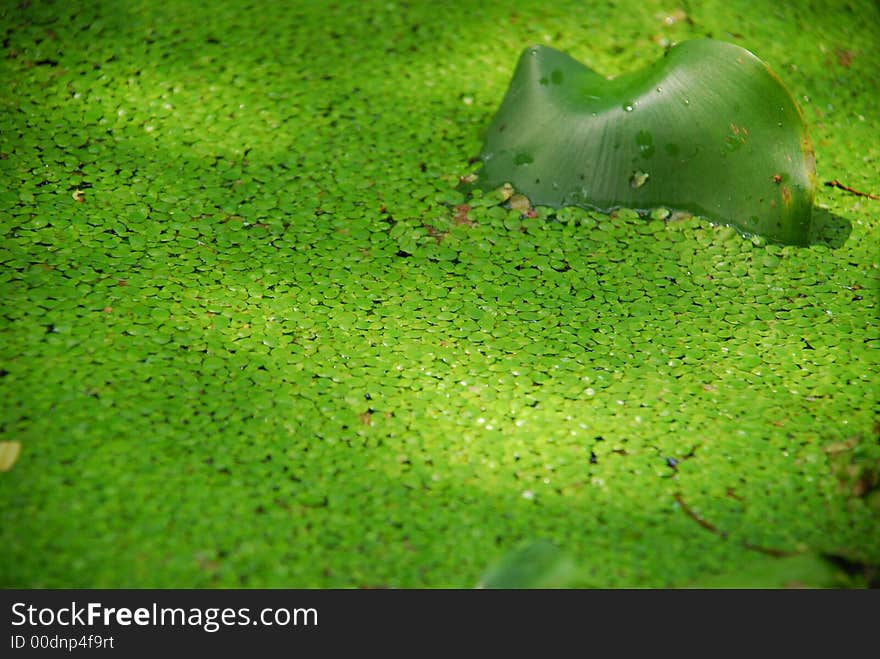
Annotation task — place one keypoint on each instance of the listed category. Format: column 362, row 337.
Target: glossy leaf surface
column 708, row 129
column 534, row 564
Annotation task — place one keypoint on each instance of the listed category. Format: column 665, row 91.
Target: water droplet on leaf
column 645, row 142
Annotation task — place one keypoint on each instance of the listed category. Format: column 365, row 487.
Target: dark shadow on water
column 829, row 229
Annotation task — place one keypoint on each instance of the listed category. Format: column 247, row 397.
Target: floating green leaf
column 708, row 129
column 535, row 564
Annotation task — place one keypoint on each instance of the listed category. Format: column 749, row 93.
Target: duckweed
column 253, row 336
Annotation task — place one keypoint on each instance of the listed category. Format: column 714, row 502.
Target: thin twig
column 770, row 551
column 838, row 184
column 694, row 516
column 690, row 512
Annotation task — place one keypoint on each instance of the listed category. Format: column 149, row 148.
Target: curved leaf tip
column 708, row 129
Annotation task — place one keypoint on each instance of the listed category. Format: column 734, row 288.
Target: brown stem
column 697, row 518
column 838, row 184
column 770, row 551
column 690, row 512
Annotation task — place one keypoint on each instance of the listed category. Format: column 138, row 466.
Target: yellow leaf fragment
column 9, row 452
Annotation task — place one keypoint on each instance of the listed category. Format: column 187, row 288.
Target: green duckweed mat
column 251, row 338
